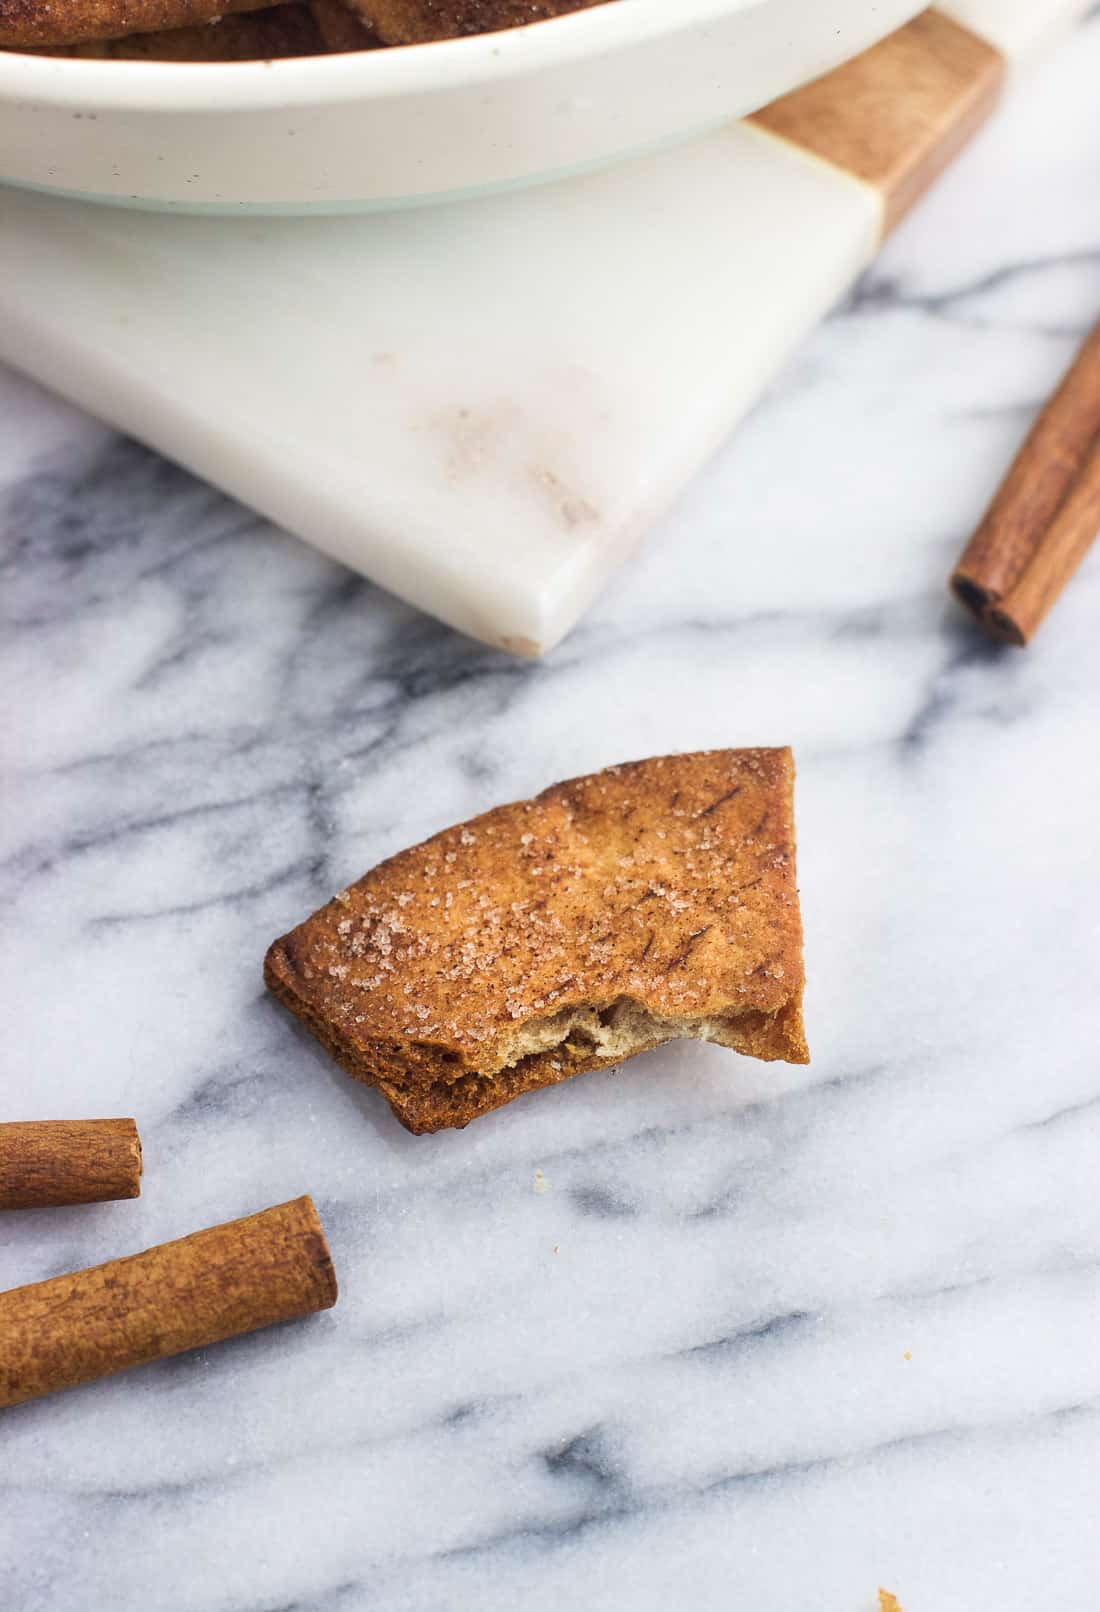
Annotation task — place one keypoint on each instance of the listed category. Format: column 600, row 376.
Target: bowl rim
column 446, row 64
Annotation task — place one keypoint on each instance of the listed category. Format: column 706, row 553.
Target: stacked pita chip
column 414, row 22
column 214, row 30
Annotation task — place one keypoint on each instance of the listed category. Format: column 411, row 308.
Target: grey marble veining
column 705, row 1333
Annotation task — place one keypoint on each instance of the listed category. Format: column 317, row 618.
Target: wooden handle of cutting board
column 896, row 115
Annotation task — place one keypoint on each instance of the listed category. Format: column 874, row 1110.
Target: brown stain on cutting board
column 499, row 439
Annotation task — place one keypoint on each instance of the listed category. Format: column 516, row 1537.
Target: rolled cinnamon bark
column 250, row 1273
column 59, row 1161
column 1019, row 614
column 1017, row 524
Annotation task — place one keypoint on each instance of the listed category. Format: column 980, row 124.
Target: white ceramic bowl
column 392, row 127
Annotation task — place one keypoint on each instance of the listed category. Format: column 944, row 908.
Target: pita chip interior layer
column 562, row 934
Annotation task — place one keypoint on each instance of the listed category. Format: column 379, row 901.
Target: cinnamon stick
column 250, row 1273
column 1032, row 521
column 1021, row 611
column 58, row 1161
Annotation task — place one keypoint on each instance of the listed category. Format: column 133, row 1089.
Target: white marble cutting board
column 481, row 407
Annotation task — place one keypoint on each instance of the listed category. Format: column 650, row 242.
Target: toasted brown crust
column 342, row 28
column 415, row 22
column 28, row 23
column 74, row 27
column 275, row 32
column 659, row 895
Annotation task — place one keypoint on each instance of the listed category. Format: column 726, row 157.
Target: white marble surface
column 769, row 1337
